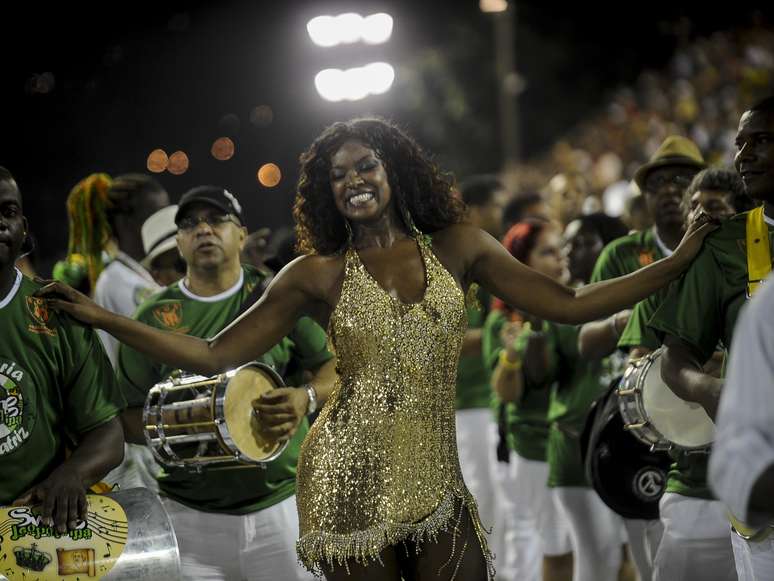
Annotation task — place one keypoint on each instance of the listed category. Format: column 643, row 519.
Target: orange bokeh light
column 222, row 149
column 178, row 163
column 269, row 175
column 157, row 161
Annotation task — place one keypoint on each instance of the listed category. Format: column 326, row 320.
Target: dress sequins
column 380, row 465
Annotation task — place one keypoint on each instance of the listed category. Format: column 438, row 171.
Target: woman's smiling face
column 359, row 182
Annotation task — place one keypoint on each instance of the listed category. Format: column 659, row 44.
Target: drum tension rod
column 630, row 391
column 635, row 426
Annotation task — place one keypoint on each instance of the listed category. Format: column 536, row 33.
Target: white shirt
column 120, row 288
column 744, row 440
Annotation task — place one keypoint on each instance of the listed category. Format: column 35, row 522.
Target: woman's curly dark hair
column 416, row 182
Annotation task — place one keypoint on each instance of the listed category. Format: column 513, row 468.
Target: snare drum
column 656, row 416
column 195, row 421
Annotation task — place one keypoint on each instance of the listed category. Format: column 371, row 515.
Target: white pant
column 138, row 469
column 754, row 561
column 533, row 525
column 696, row 544
column 260, row 546
column 477, row 452
column 595, row 531
column 644, row 537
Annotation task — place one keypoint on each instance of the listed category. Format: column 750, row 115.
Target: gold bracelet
column 507, row 363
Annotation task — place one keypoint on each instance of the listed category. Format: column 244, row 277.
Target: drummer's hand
column 62, row 297
column 710, row 396
column 280, row 411
column 63, row 499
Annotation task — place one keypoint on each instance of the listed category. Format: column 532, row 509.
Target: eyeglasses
column 189, row 222
column 659, row 181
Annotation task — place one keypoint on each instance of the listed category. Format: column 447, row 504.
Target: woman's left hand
column 700, row 225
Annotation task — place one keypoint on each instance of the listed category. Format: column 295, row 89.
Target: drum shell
column 618, row 465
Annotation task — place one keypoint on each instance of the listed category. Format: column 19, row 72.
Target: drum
column 627, row 475
column 193, row 421
column 127, row 536
column 656, row 416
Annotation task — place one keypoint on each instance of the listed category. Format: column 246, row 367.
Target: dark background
column 132, row 77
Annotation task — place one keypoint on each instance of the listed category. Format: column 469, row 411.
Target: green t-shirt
column 56, row 383
column 624, row 256
column 473, row 389
column 575, row 384
column 527, row 421
column 701, row 309
column 176, row 309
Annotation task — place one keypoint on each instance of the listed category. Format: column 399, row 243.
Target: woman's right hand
column 700, row 225
column 64, row 298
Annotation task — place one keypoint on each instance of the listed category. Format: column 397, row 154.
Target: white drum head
column 683, row 423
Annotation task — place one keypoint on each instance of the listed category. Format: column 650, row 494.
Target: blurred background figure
column 485, row 198
column 256, row 247
column 159, row 240
column 537, row 541
column 566, row 194
column 525, row 206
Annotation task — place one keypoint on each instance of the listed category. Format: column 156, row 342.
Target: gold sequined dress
column 380, row 465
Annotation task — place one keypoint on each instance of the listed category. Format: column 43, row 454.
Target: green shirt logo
column 13, row 432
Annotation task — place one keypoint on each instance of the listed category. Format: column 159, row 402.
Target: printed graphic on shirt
column 38, row 310
column 16, row 417
column 170, row 315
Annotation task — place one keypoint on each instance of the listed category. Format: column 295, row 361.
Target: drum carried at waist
column 656, row 416
column 194, row 421
column 628, row 476
column 127, row 536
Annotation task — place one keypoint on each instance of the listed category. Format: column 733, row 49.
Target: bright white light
column 493, row 5
column 377, row 28
column 323, row 31
column 354, row 84
column 348, row 28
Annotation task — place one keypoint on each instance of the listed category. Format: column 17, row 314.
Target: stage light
column 377, row 28
column 350, row 27
column 493, row 5
column 354, row 84
column 157, row 161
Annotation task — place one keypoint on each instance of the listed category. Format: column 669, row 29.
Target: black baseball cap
column 216, row 196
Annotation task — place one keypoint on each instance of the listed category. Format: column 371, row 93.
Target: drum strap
column 758, row 268
column 758, row 251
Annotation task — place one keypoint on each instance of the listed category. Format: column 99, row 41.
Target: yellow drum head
column 248, row 383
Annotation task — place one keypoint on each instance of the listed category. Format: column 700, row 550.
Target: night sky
column 134, row 76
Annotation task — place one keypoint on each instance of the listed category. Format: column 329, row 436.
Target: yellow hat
column 675, row 150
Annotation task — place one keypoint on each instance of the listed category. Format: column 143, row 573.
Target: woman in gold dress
column 388, row 265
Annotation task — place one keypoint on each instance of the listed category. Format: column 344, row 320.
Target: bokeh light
column 493, row 5
column 157, row 161
column 262, row 116
column 269, row 175
column 222, row 149
column 354, row 84
column 178, row 163
column 347, row 28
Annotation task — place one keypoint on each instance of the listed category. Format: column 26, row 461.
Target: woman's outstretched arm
column 493, row 267
column 290, row 295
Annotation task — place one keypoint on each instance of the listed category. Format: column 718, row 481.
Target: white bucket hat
column 159, row 234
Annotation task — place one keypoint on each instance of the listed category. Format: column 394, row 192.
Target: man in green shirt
column 662, row 181
column 485, row 198
column 57, row 390
column 701, row 309
column 240, row 523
